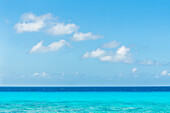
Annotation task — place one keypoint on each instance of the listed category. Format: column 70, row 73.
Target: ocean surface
column 85, row 99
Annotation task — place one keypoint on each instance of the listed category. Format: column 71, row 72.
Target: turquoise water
column 85, row 102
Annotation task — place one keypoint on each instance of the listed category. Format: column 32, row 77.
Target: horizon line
column 84, row 85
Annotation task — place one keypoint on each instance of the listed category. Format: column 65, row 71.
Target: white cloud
column 35, row 74
column 122, row 51
column 112, row 44
column 121, row 55
column 79, row 36
column 52, row 47
column 63, row 29
column 32, row 23
column 94, row 53
column 134, row 69
column 106, row 58
column 164, row 73
column 29, row 27
column 43, row 74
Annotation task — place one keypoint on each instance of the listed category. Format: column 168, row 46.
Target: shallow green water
column 85, row 102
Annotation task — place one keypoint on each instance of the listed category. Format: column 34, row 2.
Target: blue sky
column 61, row 42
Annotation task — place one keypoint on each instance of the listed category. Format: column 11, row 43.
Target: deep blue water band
column 86, row 89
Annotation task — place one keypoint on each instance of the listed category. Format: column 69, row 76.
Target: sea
column 85, row 99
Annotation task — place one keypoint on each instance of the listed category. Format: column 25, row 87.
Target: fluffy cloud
column 94, row 53
column 164, row 73
column 63, row 29
column 134, row 69
column 112, row 44
column 79, row 36
column 32, row 23
column 52, row 47
column 121, row 55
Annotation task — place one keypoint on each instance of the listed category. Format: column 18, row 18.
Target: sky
column 73, row 42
